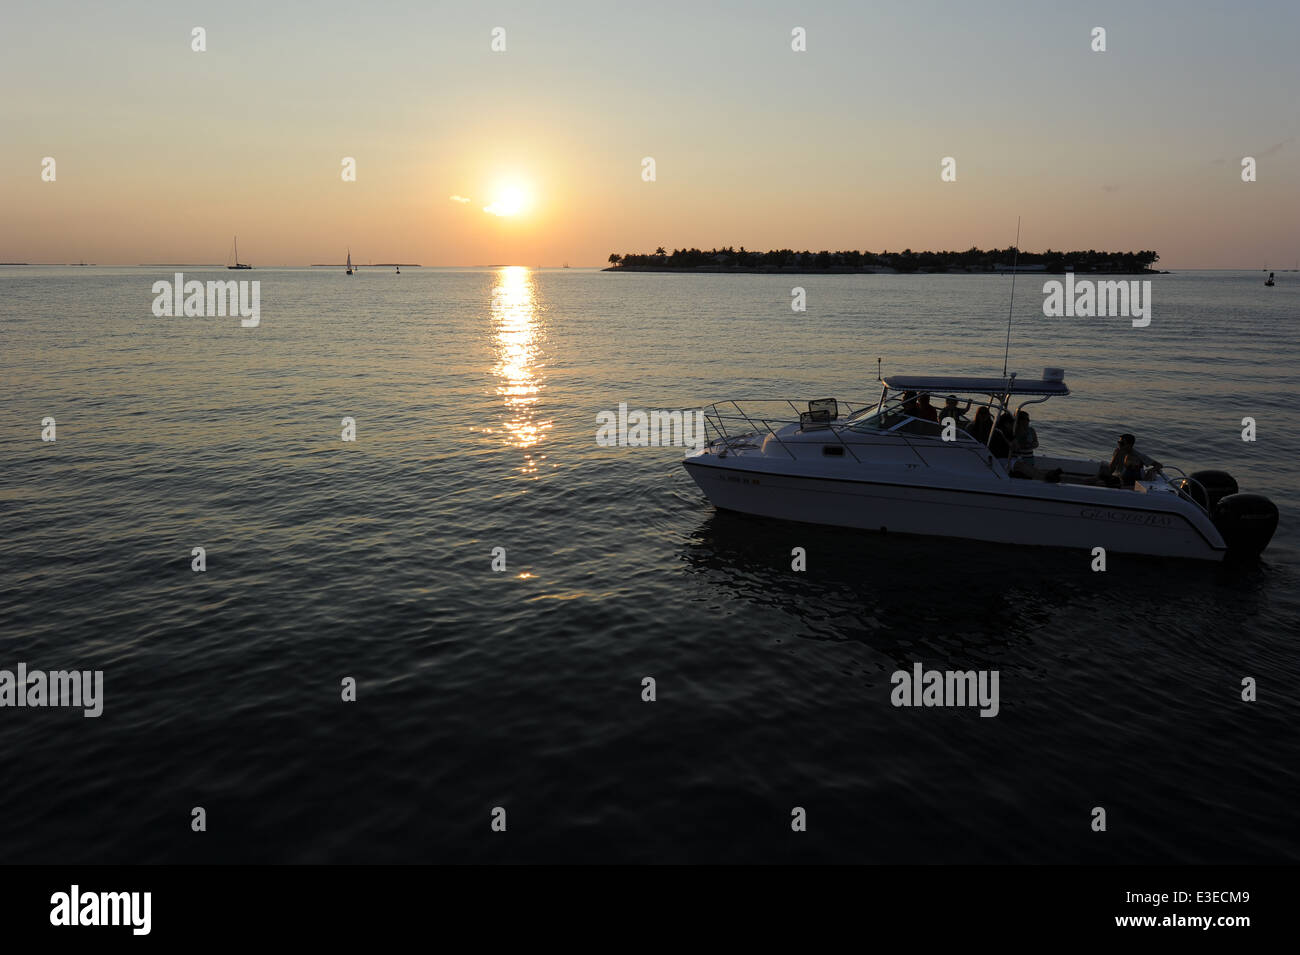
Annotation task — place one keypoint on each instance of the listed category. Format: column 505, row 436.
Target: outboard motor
column 1247, row 523
column 1216, row 484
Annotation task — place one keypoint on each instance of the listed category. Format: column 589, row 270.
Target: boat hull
column 1039, row 515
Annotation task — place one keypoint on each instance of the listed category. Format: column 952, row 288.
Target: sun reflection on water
column 515, row 325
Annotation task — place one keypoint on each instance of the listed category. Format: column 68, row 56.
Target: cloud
column 1278, row 147
column 459, row 198
column 1275, row 148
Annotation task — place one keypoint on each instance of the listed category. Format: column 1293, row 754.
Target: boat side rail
column 1182, row 490
column 723, row 417
column 718, row 416
column 830, row 427
column 971, row 445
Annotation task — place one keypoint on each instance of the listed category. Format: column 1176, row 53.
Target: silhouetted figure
column 1024, row 439
column 980, row 427
column 1002, row 436
column 950, row 410
column 924, row 410
column 1127, row 462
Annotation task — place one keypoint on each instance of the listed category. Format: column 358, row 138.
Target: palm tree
column 613, row 258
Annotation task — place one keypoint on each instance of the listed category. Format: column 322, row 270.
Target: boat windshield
column 879, row 419
column 893, row 413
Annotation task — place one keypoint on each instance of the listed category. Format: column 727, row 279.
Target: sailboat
column 238, row 264
column 1269, row 281
column 349, row 261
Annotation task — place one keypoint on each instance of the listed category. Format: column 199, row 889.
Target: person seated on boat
column 1002, row 436
column 979, row 428
column 924, row 410
column 1024, row 439
column 909, row 402
column 1126, row 463
column 950, row 410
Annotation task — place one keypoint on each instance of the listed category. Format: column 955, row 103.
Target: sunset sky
column 164, row 153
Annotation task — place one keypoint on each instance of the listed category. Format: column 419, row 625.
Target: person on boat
column 924, row 410
column 1002, row 436
column 1127, row 462
column 1024, row 439
column 979, row 428
column 950, row 410
column 909, row 402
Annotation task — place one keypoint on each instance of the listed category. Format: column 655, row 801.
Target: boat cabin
column 899, row 398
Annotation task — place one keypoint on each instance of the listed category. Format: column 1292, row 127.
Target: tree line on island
column 972, row 260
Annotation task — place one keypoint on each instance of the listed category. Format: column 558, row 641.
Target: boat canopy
column 978, row 386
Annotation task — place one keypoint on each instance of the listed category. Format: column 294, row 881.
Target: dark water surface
column 475, row 395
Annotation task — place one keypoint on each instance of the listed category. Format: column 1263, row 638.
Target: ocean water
column 475, row 394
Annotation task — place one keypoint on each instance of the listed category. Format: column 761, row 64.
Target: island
column 971, row 261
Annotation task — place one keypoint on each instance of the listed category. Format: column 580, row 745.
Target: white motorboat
column 883, row 467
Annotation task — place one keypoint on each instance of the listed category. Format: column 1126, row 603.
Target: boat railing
column 1182, row 490
column 724, row 420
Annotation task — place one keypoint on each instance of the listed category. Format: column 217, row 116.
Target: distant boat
column 566, row 265
column 1269, row 280
column 399, row 270
column 349, row 261
column 238, row 264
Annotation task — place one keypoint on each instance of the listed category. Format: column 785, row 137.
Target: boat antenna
column 1006, row 354
column 878, row 378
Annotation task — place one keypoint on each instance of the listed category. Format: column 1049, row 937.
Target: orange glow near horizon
column 535, row 154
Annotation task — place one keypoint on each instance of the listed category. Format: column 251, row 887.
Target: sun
column 511, row 199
